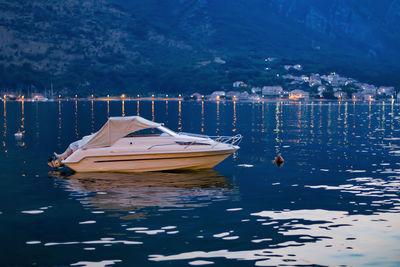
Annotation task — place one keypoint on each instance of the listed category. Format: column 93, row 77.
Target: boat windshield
column 147, row 133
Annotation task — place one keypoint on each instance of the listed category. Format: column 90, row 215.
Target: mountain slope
column 107, row 46
column 358, row 38
column 79, row 43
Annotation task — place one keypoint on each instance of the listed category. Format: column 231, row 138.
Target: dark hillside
column 107, row 46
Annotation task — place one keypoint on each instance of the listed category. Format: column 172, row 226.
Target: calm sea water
column 335, row 201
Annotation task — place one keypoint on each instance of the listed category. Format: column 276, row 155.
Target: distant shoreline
column 200, row 100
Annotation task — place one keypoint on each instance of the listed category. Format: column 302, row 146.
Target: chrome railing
column 231, row 140
column 234, row 140
column 194, row 135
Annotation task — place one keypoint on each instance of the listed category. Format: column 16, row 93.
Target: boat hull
column 151, row 162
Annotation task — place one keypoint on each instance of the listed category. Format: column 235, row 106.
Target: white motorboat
column 18, row 135
column 134, row 144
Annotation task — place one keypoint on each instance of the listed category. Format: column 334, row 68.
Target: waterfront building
column 244, row 96
column 255, row 90
column 232, row 95
column 254, row 97
column 340, row 95
column 321, row 89
column 238, row 84
column 217, row 95
column 272, row 91
column 385, row 90
column 299, row 95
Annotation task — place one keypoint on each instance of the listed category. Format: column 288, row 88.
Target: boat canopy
column 116, row 128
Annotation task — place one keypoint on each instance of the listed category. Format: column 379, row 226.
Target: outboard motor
column 54, row 162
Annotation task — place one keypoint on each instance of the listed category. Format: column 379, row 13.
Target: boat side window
column 147, row 133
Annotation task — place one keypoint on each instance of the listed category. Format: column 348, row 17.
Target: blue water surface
column 335, row 201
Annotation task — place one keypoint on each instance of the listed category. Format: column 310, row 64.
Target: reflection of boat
column 127, row 191
column 121, row 145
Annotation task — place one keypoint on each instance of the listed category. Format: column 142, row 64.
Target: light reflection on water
column 315, row 237
column 335, row 201
column 4, row 126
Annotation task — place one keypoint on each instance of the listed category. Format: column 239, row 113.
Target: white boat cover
column 116, row 128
